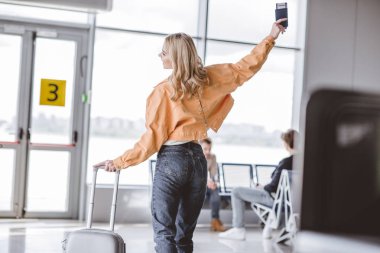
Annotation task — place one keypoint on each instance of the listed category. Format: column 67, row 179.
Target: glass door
column 51, row 134
column 10, row 51
column 41, row 131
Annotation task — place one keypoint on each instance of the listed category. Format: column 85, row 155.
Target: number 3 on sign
column 53, row 92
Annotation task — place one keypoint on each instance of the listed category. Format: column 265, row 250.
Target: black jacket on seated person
column 287, row 164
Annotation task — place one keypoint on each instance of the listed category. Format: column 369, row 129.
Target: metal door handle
column 20, row 134
column 75, row 137
column 82, row 66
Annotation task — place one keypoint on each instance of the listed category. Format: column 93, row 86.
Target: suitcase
column 96, row 240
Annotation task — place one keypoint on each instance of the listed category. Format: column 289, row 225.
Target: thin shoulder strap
column 203, row 113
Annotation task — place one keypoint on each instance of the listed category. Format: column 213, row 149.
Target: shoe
column 233, row 234
column 267, row 232
column 217, row 225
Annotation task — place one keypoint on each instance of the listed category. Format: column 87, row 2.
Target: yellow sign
column 53, row 92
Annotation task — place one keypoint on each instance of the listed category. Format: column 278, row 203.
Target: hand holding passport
column 281, row 20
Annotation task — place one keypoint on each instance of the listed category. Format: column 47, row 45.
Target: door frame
column 29, row 29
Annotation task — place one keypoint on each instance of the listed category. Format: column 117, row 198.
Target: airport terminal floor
column 37, row 235
column 74, row 80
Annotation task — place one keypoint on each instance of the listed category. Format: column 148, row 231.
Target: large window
column 262, row 109
column 126, row 68
column 249, row 20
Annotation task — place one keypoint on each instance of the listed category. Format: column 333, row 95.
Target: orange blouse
column 183, row 120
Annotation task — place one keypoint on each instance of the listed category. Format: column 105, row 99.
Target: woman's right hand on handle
column 107, row 165
column 277, row 28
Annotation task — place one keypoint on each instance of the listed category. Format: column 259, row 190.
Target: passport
column 282, row 12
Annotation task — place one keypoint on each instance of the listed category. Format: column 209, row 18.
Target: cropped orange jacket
column 183, row 120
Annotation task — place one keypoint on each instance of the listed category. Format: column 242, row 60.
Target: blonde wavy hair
column 188, row 76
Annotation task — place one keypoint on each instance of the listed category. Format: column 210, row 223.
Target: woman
column 179, row 112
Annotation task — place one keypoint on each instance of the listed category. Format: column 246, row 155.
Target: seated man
column 212, row 185
column 259, row 194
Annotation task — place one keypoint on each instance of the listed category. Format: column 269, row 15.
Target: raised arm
column 230, row 76
column 252, row 63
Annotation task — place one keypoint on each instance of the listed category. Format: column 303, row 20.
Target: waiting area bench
column 282, row 209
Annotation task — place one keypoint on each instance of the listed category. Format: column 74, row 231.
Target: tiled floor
column 45, row 236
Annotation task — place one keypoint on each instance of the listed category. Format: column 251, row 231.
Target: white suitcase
column 91, row 240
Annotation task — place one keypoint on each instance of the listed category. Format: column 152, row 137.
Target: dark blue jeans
column 179, row 188
column 214, row 199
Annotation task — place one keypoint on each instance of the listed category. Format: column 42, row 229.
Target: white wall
column 342, row 48
column 341, row 51
column 367, row 46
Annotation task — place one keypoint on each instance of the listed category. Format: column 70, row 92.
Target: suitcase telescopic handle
column 92, row 197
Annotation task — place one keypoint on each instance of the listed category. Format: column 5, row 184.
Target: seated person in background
column 212, row 185
column 261, row 195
